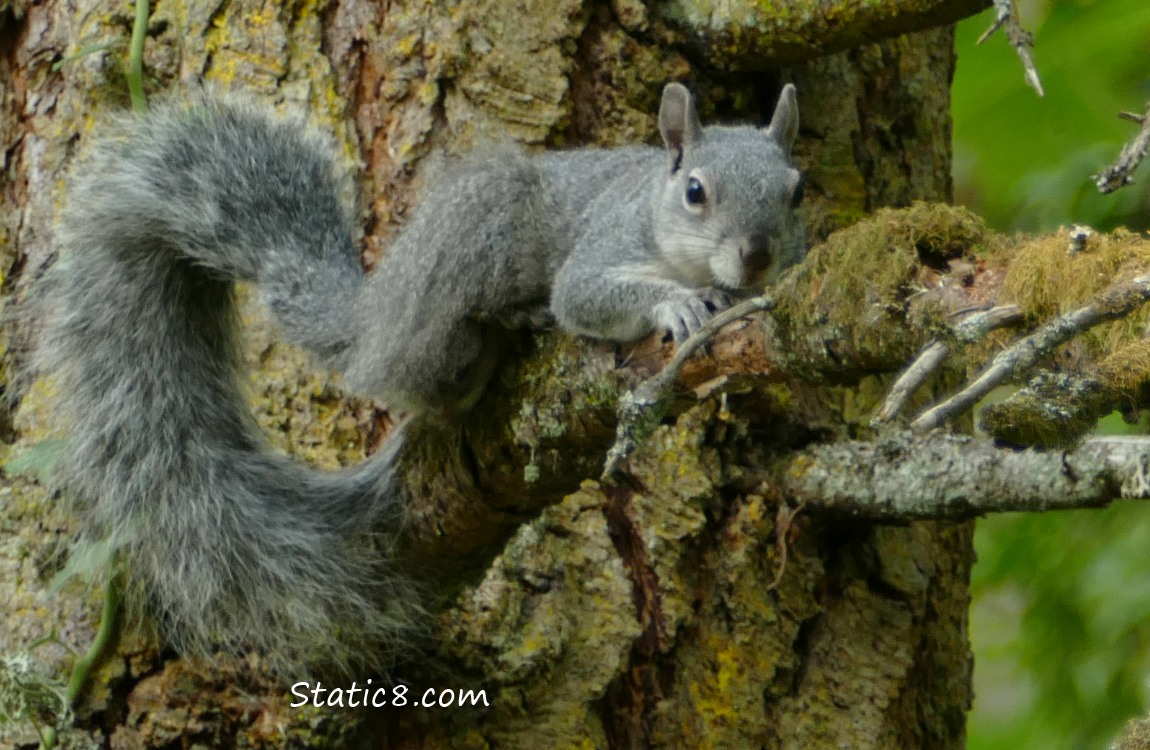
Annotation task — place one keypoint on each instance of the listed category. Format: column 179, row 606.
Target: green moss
column 1053, row 410
column 1126, row 371
column 879, row 258
column 851, row 301
column 1045, row 280
column 1058, row 409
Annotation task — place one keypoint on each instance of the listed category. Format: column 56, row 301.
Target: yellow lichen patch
column 36, row 419
column 673, row 461
column 549, row 627
column 247, row 42
column 408, row 44
column 725, row 678
column 711, row 695
column 301, row 408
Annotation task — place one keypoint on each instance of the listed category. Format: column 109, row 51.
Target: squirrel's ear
column 678, row 121
column 784, row 127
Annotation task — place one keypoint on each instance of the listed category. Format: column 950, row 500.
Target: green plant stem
column 109, row 619
column 136, row 57
column 86, row 664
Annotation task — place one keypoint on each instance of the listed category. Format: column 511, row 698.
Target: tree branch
column 932, row 358
column 1118, row 174
column 640, row 406
column 794, row 30
column 1115, row 302
column 1005, row 14
column 906, row 476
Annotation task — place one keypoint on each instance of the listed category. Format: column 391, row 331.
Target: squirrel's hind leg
column 491, row 343
column 440, row 373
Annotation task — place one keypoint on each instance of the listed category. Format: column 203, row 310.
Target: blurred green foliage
column 1025, row 162
column 1061, row 615
column 1061, row 627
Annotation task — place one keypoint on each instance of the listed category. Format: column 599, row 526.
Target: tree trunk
column 678, row 604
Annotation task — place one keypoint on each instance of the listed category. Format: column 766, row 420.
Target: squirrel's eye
column 797, row 196
column 696, row 195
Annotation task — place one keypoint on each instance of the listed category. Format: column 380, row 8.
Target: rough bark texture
column 943, row 476
column 635, row 613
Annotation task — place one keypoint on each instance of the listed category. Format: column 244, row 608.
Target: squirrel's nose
column 751, row 247
column 755, row 258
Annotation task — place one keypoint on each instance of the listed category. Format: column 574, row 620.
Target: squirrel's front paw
column 717, row 300
column 686, row 314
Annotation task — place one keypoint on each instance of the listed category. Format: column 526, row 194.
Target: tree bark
column 682, row 602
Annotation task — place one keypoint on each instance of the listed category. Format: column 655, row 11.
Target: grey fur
column 232, row 546
column 644, row 259
column 238, row 548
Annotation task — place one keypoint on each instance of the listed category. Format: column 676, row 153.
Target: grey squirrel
column 237, row 548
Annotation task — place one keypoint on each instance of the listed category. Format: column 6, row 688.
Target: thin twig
column 639, row 406
column 1002, row 10
column 1005, row 14
column 784, row 524
column 1115, row 302
column 935, row 354
column 1118, row 174
column 926, row 364
column 1023, row 43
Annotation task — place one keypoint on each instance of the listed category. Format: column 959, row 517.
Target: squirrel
column 236, row 548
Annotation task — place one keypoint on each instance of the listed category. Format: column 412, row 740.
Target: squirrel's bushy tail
column 234, row 547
